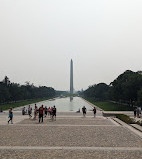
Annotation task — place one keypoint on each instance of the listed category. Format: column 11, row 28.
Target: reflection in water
column 71, row 99
column 63, row 104
column 71, row 104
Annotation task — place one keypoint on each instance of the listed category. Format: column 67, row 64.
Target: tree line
column 12, row 92
column 126, row 88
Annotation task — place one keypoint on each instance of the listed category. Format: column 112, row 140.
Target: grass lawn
column 108, row 106
column 21, row 103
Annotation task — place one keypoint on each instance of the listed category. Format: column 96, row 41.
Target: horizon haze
column 39, row 38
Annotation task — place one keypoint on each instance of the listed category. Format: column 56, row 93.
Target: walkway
column 71, row 136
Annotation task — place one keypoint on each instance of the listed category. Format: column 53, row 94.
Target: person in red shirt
column 41, row 110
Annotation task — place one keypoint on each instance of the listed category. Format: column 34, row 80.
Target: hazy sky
column 39, row 37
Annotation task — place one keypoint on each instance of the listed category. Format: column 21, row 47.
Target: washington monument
column 71, row 77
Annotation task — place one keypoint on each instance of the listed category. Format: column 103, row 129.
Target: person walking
column 45, row 111
column 29, row 112
column 35, row 112
column 51, row 113
column 10, row 116
column 54, row 113
column 41, row 110
column 138, row 112
column 94, row 110
column 84, row 111
column 48, row 111
column 135, row 112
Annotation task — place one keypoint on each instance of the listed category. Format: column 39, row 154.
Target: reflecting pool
column 65, row 104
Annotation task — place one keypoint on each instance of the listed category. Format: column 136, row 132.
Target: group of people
column 84, row 110
column 41, row 111
column 137, row 112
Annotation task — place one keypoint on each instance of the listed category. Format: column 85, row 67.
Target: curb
column 131, row 128
column 138, row 127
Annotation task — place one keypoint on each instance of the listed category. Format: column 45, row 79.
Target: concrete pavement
column 70, row 136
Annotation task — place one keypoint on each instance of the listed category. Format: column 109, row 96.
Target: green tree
column 126, row 86
column 99, row 91
column 14, row 91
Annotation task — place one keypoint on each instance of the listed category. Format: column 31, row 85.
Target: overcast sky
column 38, row 38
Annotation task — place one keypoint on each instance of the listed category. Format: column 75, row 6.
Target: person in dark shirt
column 45, row 110
column 23, row 111
column 54, row 112
column 94, row 110
column 135, row 111
column 84, row 111
column 41, row 110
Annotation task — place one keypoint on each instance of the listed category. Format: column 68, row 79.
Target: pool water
column 64, row 104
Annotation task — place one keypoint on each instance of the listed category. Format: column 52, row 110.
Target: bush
column 139, row 123
column 126, row 118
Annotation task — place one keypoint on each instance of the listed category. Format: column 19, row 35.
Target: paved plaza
column 70, row 136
